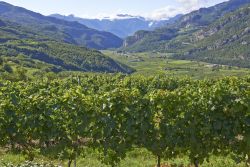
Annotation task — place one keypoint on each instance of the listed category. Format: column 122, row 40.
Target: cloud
column 166, row 12
column 188, row 2
column 182, row 7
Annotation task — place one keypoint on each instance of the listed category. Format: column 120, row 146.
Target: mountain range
column 70, row 32
column 27, row 37
column 121, row 25
column 218, row 34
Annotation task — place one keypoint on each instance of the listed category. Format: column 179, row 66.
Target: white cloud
column 183, row 7
column 188, row 2
column 165, row 13
column 110, row 16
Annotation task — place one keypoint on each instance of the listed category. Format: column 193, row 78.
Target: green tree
column 1, row 61
column 8, row 68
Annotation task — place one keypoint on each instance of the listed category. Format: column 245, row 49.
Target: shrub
column 8, row 68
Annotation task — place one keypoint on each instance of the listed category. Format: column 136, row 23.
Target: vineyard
column 115, row 114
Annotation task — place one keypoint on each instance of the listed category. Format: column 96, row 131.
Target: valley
column 148, row 64
column 166, row 88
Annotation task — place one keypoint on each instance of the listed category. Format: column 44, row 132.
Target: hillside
column 227, row 41
column 164, row 38
column 122, row 25
column 60, row 30
column 18, row 41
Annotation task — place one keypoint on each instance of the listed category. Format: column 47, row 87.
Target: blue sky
column 156, row 9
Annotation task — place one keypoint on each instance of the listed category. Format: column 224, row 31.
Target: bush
column 1, row 61
column 8, row 68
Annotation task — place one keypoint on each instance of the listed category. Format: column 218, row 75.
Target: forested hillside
column 60, row 30
column 22, row 42
column 219, row 34
column 185, row 25
column 227, row 41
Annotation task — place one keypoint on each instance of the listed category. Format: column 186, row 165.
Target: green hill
column 218, row 34
column 18, row 41
column 60, row 30
column 226, row 41
column 158, row 39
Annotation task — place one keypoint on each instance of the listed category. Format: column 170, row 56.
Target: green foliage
column 1, row 61
column 7, row 68
column 113, row 114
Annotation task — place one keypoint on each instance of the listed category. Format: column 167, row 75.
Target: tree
column 1, row 61
column 8, row 68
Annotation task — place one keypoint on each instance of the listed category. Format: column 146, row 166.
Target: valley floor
column 158, row 63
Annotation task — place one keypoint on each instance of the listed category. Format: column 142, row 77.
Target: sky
column 152, row 9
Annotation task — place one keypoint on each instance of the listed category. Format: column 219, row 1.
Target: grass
column 158, row 63
column 135, row 158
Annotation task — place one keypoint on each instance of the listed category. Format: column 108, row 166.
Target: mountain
column 165, row 37
column 122, row 25
column 226, row 41
column 22, row 45
column 60, row 30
